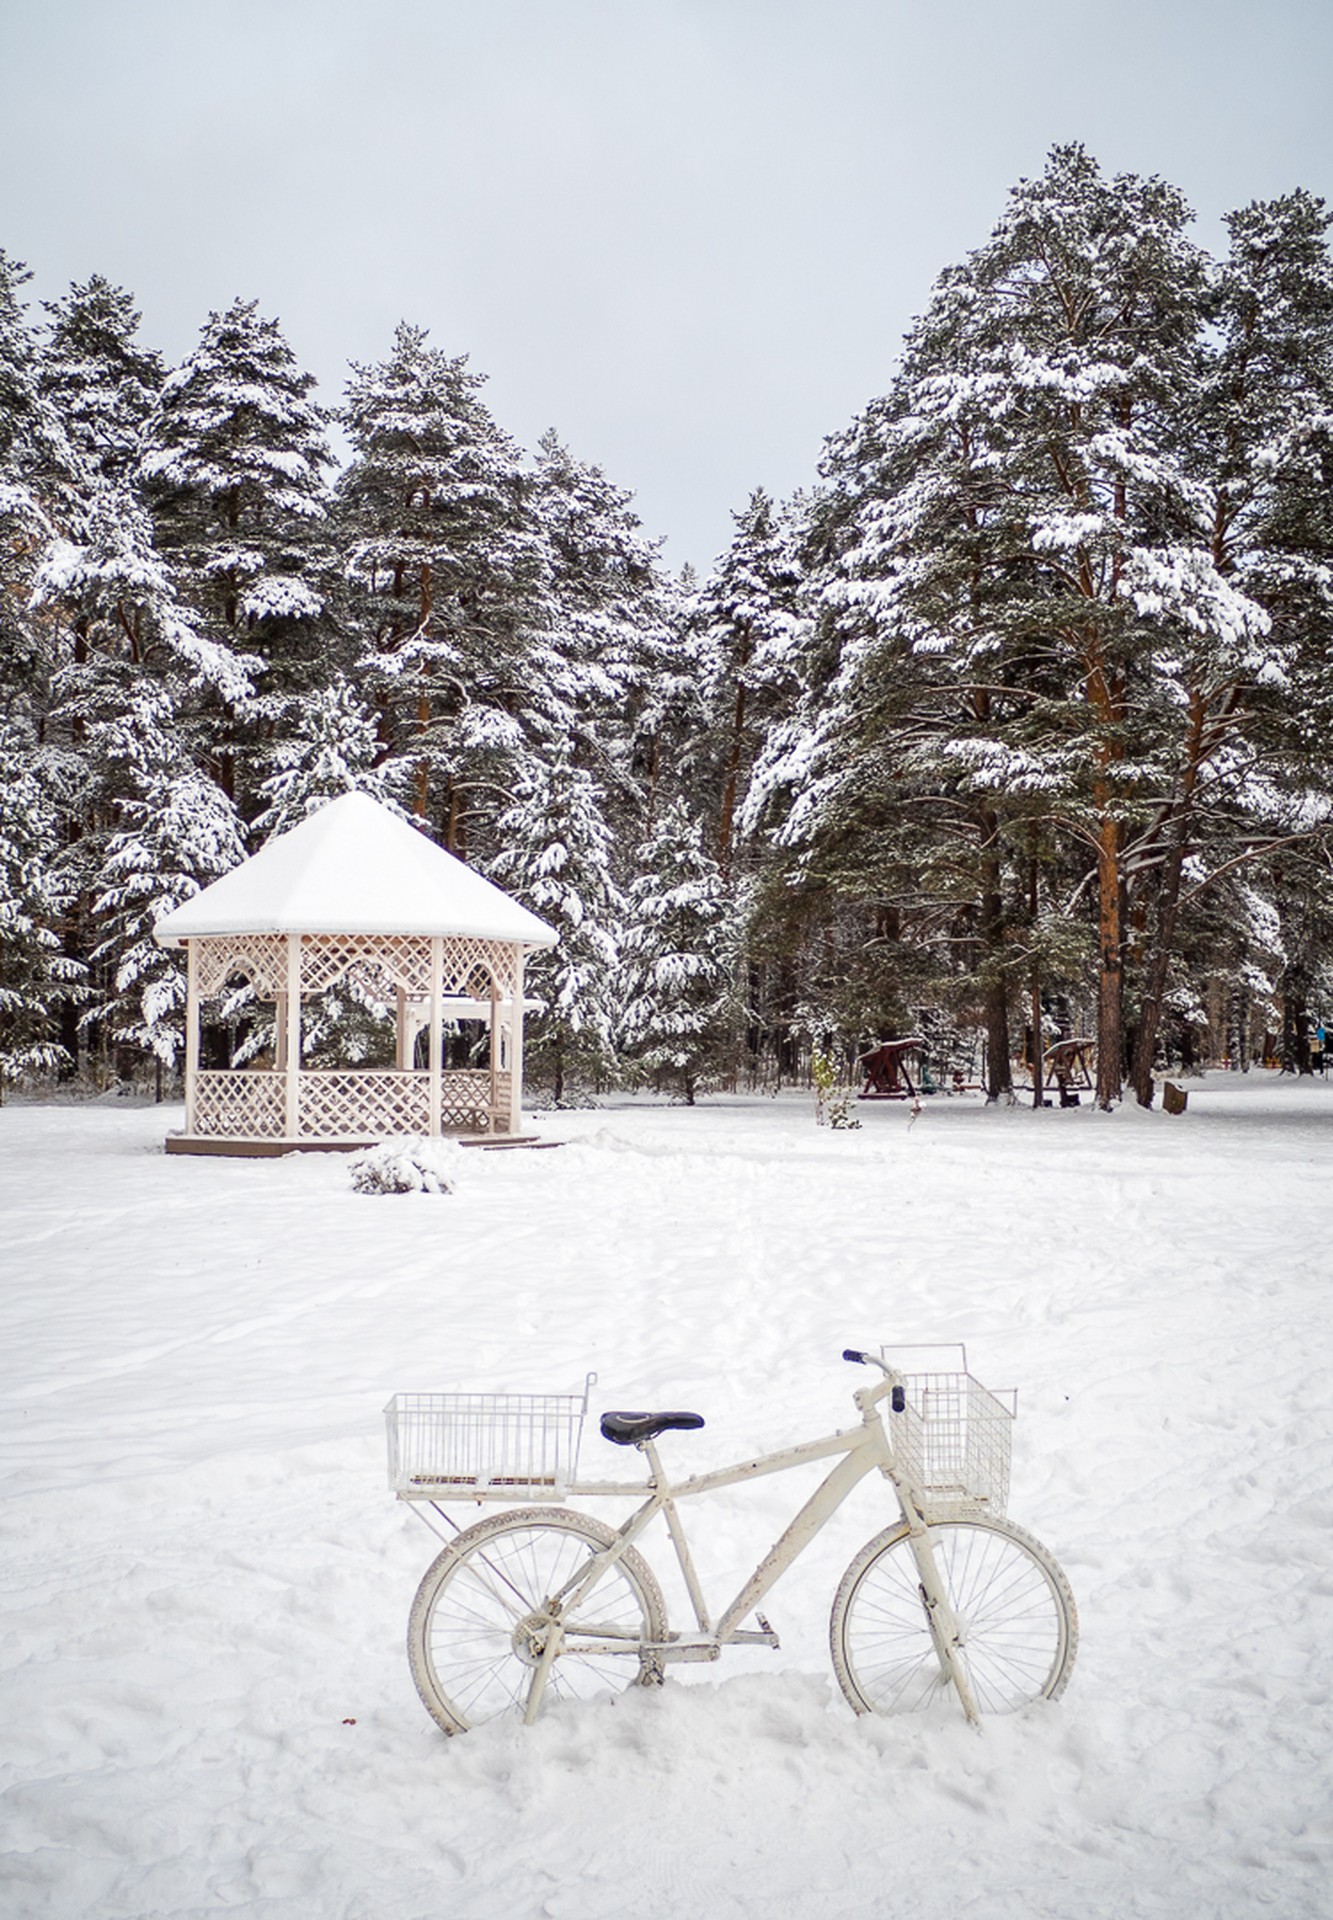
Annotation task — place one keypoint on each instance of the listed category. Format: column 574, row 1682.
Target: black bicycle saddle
column 628, row 1429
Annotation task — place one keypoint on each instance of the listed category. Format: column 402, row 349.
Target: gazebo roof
column 354, row 867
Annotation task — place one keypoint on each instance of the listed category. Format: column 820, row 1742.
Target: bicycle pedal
column 763, row 1637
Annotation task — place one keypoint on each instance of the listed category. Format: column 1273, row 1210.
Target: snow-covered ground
column 205, row 1584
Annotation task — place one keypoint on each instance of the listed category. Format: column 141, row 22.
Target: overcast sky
column 688, row 234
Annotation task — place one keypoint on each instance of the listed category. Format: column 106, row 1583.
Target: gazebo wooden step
column 240, row 1148
column 490, row 1144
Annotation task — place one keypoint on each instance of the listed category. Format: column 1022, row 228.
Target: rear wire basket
column 954, row 1438
column 485, row 1443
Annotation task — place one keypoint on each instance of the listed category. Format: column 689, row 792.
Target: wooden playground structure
column 1068, row 1067
column 887, row 1075
column 897, row 1070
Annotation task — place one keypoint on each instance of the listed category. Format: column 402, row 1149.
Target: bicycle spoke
column 1013, row 1612
column 486, row 1610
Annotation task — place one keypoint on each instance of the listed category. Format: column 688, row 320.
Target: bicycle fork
column 946, row 1630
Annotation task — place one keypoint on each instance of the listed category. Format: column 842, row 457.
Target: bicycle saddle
column 627, row 1429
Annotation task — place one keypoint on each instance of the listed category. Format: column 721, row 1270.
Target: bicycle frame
column 865, row 1450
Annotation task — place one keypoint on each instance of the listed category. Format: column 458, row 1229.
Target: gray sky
column 688, row 234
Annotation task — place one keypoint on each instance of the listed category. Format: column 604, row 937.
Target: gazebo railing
column 245, row 1105
column 348, row 1104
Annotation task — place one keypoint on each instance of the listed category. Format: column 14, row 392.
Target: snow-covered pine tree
column 557, row 857
column 113, row 599
column 745, row 621
column 41, row 489
column 669, row 713
column 450, row 575
column 234, row 473
column 103, row 384
column 37, row 980
column 678, row 997
column 333, row 749
column 1042, row 550
column 889, row 872
column 617, row 619
column 1255, row 771
column 130, row 657
column 177, row 831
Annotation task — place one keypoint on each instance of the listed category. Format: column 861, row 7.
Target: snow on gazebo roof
column 354, row 867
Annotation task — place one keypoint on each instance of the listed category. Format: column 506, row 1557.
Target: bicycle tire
column 1015, row 1608
column 480, row 1614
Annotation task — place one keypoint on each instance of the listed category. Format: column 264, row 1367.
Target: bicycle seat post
column 649, row 1451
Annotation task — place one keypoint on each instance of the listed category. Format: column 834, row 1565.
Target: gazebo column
column 516, row 1047
column 404, row 1054
column 191, row 1030
column 436, row 1028
column 292, row 1053
column 493, row 1103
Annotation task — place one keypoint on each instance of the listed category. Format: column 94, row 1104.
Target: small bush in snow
column 832, row 1102
column 407, row 1163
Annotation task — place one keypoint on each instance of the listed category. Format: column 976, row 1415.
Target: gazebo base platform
column 239, row 1148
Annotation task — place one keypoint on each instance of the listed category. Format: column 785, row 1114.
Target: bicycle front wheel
column 1018, row 1625
column 487, row 1605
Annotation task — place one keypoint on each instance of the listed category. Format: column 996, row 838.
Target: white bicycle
column 545, row 1602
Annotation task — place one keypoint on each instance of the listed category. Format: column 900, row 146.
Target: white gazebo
column 355, row 891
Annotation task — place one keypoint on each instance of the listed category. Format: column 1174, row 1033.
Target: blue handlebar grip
column 850, row 1353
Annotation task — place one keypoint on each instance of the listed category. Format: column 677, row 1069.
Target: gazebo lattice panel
column 331, row 1104
column 381, row 963
column 400, row 958
column 261, row 957
column 248, row 1105
column 468, row 965
column 353, row 1104
column 465, row 1101
column 471, row 965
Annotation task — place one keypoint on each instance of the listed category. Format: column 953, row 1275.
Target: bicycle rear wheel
column 487, row 1604
column 1017, row 1619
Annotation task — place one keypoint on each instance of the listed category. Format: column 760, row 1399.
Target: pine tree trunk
column 1038, row 1051
column 728, row 813
column 1110, row 1007
column 1168, row 909
column 1158, row 969
column 422, row 774
column 999, row 1072
column 1105, row 695
column 1295, row 1023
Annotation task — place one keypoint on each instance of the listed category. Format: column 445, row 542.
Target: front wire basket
column 480, row 1444
column 954, row 1438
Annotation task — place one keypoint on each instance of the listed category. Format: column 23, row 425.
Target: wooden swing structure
column 887, row 1075
column 1068, row 1066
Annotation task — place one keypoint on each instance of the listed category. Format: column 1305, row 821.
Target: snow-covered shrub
column 407, row 1163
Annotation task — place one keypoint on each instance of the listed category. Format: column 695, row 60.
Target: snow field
column 205, row 1584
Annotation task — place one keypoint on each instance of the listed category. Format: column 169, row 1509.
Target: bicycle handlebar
column 892, row 1382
